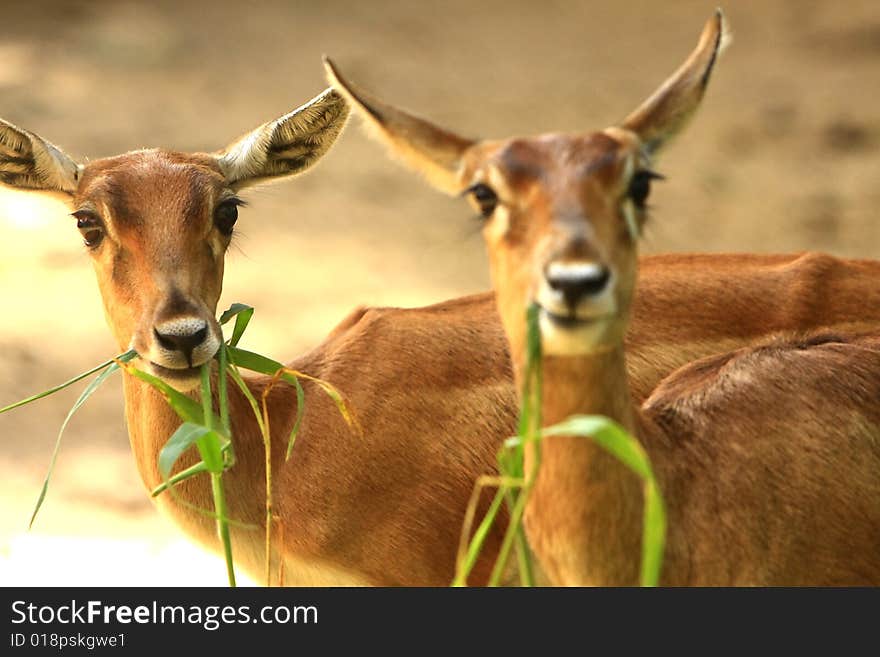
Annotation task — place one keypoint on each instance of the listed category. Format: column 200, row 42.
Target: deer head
column 157, row 224
column 561, row 212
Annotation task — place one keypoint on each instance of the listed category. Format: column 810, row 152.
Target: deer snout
column 184, row 342
column 182, row 338
column 579, row 290
column 578, row 280
column 578, row 306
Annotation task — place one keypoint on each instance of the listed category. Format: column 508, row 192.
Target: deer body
column 452, row 411
column 790, row 497
column 385, row 508
column 408, row 412
column 767, row 453
column 746, row 503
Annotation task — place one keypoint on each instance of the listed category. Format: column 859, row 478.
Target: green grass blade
column 475, row 546
column 209, row 444
column 333, row 393
column 223, row 524
column 300, row 411
column 254, row 362
column 511, row 467
column 653, row 535
column 510, row 536
column 511, row 460
column 264, row 432
column 243, row 314
column 241, row 322
column 610, row 435
column 233, row 310
column 618, row 442
column 110, row 367
column 264, row 365
column 183, row 475
column 222, row 390
column 521, row 545
column 187, row 408
column 248, row 395
column 187, row 435
column 128, row 355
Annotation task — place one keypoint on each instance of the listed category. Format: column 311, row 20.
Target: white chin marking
column 183, row 385
column 180, row 380
column 576, row 340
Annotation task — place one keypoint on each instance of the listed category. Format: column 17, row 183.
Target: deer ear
column 30, row 162
column 432, row 151
column 286, row 146
column 667, row 111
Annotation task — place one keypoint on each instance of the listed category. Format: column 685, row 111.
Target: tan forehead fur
column 166, row 184
column 548, row 158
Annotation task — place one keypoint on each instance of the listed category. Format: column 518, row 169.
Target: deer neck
column 151, row 421
column 583, row 515
column 594, row 384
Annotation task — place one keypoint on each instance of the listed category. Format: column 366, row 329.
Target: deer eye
column 640, row 186
column 90, row 227
column 226, row 215
column 486, row 198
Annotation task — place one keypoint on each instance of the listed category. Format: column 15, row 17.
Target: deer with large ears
column 385, row 509
column 768, row 456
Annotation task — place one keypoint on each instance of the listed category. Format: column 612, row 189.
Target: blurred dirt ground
column 784, row 156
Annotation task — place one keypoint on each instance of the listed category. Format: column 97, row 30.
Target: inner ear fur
column 425, row 147
column 288, row 145
column 28, row 161
column 668, row 109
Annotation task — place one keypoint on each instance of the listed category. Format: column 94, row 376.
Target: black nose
column 577, row 280
column 181, row 338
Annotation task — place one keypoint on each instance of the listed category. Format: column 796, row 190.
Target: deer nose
column 182, row 335
column 577, row 280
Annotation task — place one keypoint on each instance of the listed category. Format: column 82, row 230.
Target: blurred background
column 784, row 156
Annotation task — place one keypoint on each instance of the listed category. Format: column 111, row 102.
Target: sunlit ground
column 96, row 528
column 38, row 559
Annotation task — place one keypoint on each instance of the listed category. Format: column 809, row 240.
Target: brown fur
column 430, row 429
column 431, row 386
column 767, row 455
column 382, row 509
column 769, row 459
